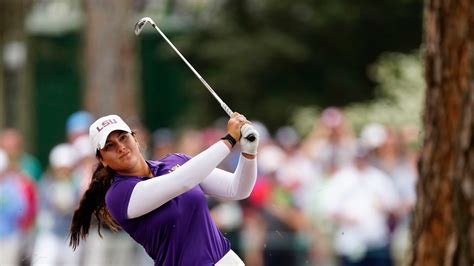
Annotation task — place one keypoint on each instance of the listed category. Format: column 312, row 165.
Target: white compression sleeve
column 232, row 186
column 152, row 193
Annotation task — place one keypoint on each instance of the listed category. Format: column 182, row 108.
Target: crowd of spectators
column 332, row 197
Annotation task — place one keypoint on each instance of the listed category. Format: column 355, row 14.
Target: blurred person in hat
column 162, row 204
column 85, row 162
column 58, row 197
column 77, row 135
column 331, row 143
column 77, row 125
column 360, row 199
column 391, row 154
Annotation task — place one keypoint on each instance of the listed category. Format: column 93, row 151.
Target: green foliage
column 401, row 85
column 267, row 58
column 400, row 88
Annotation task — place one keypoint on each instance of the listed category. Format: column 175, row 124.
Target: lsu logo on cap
column 106, row 123
column 102, row 127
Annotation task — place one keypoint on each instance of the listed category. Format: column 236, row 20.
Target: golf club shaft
column 223, row 105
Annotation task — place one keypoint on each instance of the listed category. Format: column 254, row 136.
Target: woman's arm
column 232, row 186
column 152, row 193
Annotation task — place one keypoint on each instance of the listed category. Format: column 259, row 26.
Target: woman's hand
column 234, row 124
column 247, row 145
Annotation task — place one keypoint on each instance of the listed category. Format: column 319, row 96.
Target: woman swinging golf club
column 162, row 204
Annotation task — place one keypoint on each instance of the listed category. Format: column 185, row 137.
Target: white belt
column 230, row 259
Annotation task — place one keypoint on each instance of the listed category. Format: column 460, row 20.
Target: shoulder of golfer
column 201, row 170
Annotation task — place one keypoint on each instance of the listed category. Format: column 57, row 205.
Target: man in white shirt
column 359, row 199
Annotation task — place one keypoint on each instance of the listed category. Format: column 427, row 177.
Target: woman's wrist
column 228, row 139
column 249, row 156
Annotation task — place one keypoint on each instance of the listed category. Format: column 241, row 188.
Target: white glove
column 249, row 147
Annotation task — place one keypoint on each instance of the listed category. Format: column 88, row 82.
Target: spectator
column 12, row 208
column 390, row 154
column 27, row 169
column 77, row 134
column 297, row 171
column 77, row 125
column 163, row 143
column 11, row 141
column 253, row 230
column 85, row 162
column 190, row 141
column 359, row 199
column 283, row 223
column 330, row 144
column 58, row 199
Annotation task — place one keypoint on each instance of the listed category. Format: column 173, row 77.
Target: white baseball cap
column 373, row 135
column 102, row 127
column 83, row 147
column 63, row 155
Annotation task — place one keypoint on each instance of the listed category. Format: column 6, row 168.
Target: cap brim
column 105, row 135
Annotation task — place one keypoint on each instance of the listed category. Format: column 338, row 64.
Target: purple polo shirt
column 180, row 232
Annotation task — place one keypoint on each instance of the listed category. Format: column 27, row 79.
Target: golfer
column 162, row 204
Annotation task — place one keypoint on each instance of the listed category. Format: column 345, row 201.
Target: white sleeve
column 232, row 186
column 152, row 193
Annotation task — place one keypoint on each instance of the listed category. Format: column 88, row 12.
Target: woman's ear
column 136, row 139
column 101, row 161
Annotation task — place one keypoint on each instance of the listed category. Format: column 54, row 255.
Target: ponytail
column 93, row 203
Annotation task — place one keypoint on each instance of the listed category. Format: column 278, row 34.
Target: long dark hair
column 93, row 203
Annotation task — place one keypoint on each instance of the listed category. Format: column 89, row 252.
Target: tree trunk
column 15, row 100
column 110, row 58
column 443, row 226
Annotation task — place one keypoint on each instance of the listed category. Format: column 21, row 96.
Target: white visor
column 102, row 127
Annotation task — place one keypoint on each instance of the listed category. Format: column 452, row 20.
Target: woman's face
column 121, row 152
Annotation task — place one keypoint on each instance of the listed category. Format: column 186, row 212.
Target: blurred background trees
column 276, row 61
column 110, row 58
column 262, row 54
column 15, row 99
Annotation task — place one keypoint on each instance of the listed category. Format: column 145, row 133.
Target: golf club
column 138, row 28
